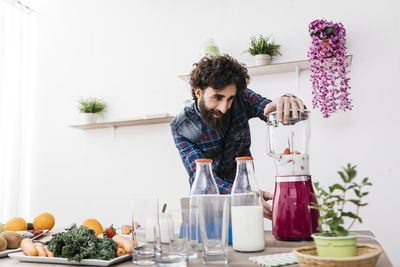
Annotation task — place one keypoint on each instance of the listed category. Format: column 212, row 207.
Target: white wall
column 130, row 53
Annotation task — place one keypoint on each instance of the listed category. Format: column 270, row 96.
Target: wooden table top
column 272, row 246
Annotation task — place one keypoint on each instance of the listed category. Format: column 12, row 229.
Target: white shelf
column 124, row 123
column 300, row 65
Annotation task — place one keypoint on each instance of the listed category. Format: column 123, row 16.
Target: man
column 216, row 125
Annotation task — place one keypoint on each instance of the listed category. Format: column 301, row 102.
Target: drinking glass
column 214, row 222
column 191, row 217
column 172, row 238
column 144, row 216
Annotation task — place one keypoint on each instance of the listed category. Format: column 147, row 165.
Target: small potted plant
column 263, row 49
column 91, row 109
column 334, row 239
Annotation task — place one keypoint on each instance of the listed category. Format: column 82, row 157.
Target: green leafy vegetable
column 81, row 243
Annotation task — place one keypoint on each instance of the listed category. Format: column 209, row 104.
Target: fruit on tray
column 120, row 252
column 44, row 221
column 40, row 249
column 3, row 244
column 16, row 224
column 110, row 232
column 94, row 225
column 13, row 239
column 29, row 248
column 126, row 229
column 125, row 243
column 49, row 253
column 35, row 249
column 1, row 228
column 35, row 232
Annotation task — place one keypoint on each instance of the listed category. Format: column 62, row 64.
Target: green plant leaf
column 355, row 201
column 351, row 172
column 349, row 214
column 336, row 186
column 343, row 176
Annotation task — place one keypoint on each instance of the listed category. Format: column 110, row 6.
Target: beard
column 208, row 118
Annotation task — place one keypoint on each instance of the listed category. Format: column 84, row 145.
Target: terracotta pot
column 326, row 42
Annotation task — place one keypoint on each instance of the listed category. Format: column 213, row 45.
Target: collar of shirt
column 196, row 109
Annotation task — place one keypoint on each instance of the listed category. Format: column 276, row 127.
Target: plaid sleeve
column 255, row 104
column 189, row 152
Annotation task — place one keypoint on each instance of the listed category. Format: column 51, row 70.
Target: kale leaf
column 81, row 243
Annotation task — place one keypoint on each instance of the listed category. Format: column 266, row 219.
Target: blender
column 288, row 145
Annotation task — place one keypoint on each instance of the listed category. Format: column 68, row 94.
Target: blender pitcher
column 288, row 145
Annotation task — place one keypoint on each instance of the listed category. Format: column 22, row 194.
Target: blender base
column 294, row 239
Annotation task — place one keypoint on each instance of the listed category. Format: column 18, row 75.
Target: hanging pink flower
column 327, row 55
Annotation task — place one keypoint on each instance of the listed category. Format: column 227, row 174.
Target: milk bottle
column 247, row 210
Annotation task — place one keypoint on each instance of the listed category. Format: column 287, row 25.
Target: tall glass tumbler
column 214, row 223
column 144, row 217
column 172, row 238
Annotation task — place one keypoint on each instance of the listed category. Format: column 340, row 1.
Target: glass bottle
column 247, row 209
column 204, row 183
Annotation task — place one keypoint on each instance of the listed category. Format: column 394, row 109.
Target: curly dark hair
column 218, row 72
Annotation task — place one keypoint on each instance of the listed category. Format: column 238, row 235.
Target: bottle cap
column 203, row 160
column 244, row 158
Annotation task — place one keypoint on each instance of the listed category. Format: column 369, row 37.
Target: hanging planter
column 327, row 55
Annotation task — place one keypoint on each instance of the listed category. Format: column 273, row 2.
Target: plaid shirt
column 195, row 140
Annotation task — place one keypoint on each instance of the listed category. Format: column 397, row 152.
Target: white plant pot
column 89, row 118
column 262, row 59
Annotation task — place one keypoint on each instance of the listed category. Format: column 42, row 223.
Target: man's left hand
column 283, row 105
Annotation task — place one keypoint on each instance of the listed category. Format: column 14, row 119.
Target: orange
column 16, row 224
column 44, row 221
column 94, row 225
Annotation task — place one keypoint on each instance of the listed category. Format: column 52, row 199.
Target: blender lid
column 272, row 118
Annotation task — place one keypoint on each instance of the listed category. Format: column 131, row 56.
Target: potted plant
column 263, row 49
column 329, row 70
column 91, row 109
column 334, row 239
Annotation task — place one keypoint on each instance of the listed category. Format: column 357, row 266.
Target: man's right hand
column 267, row 209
